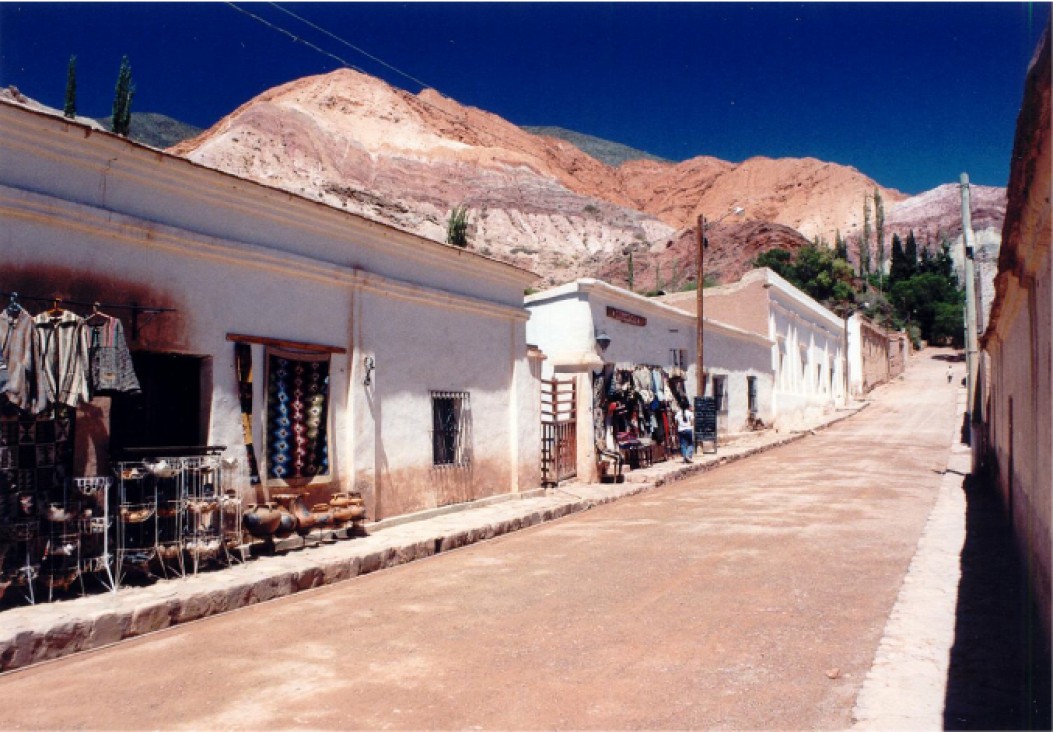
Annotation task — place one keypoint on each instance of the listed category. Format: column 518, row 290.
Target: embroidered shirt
column 26, row 387
column 63, row 343
column 111, row 362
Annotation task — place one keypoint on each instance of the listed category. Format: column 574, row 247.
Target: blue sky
column 911, row 94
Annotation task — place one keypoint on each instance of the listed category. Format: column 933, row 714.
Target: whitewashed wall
column 564, row 321
column 87, row 215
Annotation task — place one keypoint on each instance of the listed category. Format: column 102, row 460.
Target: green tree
column 778, row 261
column 910, row 250
column 900, row 268
column 457, row 227
column 879, row 232
column 631, row 275
column 840, row 246
column 122, row 99
column 70, row 108
column 864, row 242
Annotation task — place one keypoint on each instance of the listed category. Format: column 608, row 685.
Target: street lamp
column 700, row 383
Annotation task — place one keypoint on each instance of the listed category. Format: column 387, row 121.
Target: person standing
column 685, row 430
column 950, row 373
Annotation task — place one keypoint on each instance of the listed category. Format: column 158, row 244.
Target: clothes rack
column 135, row 308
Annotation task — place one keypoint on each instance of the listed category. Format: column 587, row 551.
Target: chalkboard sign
column 706, row 421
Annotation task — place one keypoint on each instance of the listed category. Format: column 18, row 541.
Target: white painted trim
column 18, row 204
column 78, row 145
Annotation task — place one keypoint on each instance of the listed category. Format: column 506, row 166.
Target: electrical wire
column 368, row 55
column 296, row 39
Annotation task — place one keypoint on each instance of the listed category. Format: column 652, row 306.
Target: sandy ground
column 750, row 597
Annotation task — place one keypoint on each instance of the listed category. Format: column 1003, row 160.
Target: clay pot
column 294, row 503
column 202, row 505
column 61, row 579
column 203, row 548
column 287, row 525
column 261, row 519
column 229, row 502
column 169, row 552
column 341, row 514
column 358, row 512
column 340, row 500
column 57, row 513
column 323, row 515
column 136, row 513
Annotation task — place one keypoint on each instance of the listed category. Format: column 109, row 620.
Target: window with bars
column 451, row 429
column 751, row 395
column 720, row 393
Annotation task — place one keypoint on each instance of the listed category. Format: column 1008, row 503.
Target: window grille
column 451, row 429
column 720, row 393
column 751, row 391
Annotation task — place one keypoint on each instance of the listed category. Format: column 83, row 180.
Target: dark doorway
column 170, row 411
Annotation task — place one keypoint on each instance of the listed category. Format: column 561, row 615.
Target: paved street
column 753, row 596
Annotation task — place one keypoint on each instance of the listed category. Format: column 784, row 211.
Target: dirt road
column 752, row 596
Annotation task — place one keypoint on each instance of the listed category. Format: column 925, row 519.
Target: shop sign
column 624, row 317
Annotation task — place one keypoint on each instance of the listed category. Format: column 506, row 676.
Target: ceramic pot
column 358, row 512
column 340, row 500
column 229, row 502
column 293, row 502
column 57, row 513
column 261, row 519
column 136, row 513
column 341, row 514
column 202, row 505
column 287, row 525
column 323, row 515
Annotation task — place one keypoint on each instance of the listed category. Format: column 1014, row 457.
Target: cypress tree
column 910, row 252
column 70, row 108
column 879, row 231
column 840, row 246
column 864, row 243
column 122, row 99
column 900, row 268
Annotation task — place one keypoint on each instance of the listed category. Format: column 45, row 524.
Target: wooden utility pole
column 700, row 273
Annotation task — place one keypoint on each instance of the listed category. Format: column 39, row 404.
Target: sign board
column 706, row 421
column 625, row 317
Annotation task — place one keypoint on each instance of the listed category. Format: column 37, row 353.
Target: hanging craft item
column 297, row 394
column 243, row 365
column 110, row 361
column 63, row 343
column 22, row 379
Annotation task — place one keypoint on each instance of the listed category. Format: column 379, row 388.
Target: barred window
column 451, row 428
column 720, row 393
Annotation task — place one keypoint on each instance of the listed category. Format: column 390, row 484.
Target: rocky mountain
column 606, row 151
column 155, row 130
column 537, row 201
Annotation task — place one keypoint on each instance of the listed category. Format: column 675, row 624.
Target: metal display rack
column 172, row 516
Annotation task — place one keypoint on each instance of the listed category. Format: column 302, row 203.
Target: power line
column 296, row 38
column 352, row 46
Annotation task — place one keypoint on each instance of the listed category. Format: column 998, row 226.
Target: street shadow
column 999, row 675
column 951, row 358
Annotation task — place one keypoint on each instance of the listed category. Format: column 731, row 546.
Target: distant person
column 950, row 373
column 685, row 430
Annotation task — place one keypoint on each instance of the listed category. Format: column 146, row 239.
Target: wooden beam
column 281, row 343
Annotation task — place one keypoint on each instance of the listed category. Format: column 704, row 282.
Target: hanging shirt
column 26, row 387
column 111, row 362
column 63, row 343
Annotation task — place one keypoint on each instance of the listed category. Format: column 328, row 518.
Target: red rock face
column 356, row 143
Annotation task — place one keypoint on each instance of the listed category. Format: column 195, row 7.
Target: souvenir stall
column 61, row 531
column 634, row 412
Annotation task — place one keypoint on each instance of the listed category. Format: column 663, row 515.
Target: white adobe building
column 807, row 353
column 566, row 320
column 431, row 396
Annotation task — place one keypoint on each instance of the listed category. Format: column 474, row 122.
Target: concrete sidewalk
column 32, row 634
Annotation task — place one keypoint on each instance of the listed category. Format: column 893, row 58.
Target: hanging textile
column 110, row 360
column 25, row 387
column 297, row 407
column 63, row 343
column 243, row 367
column 36, row 452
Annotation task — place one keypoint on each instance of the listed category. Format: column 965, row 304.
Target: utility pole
column 700, row 273
column 971, row 350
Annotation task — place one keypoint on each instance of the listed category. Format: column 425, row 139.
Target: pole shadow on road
column 999, row 675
